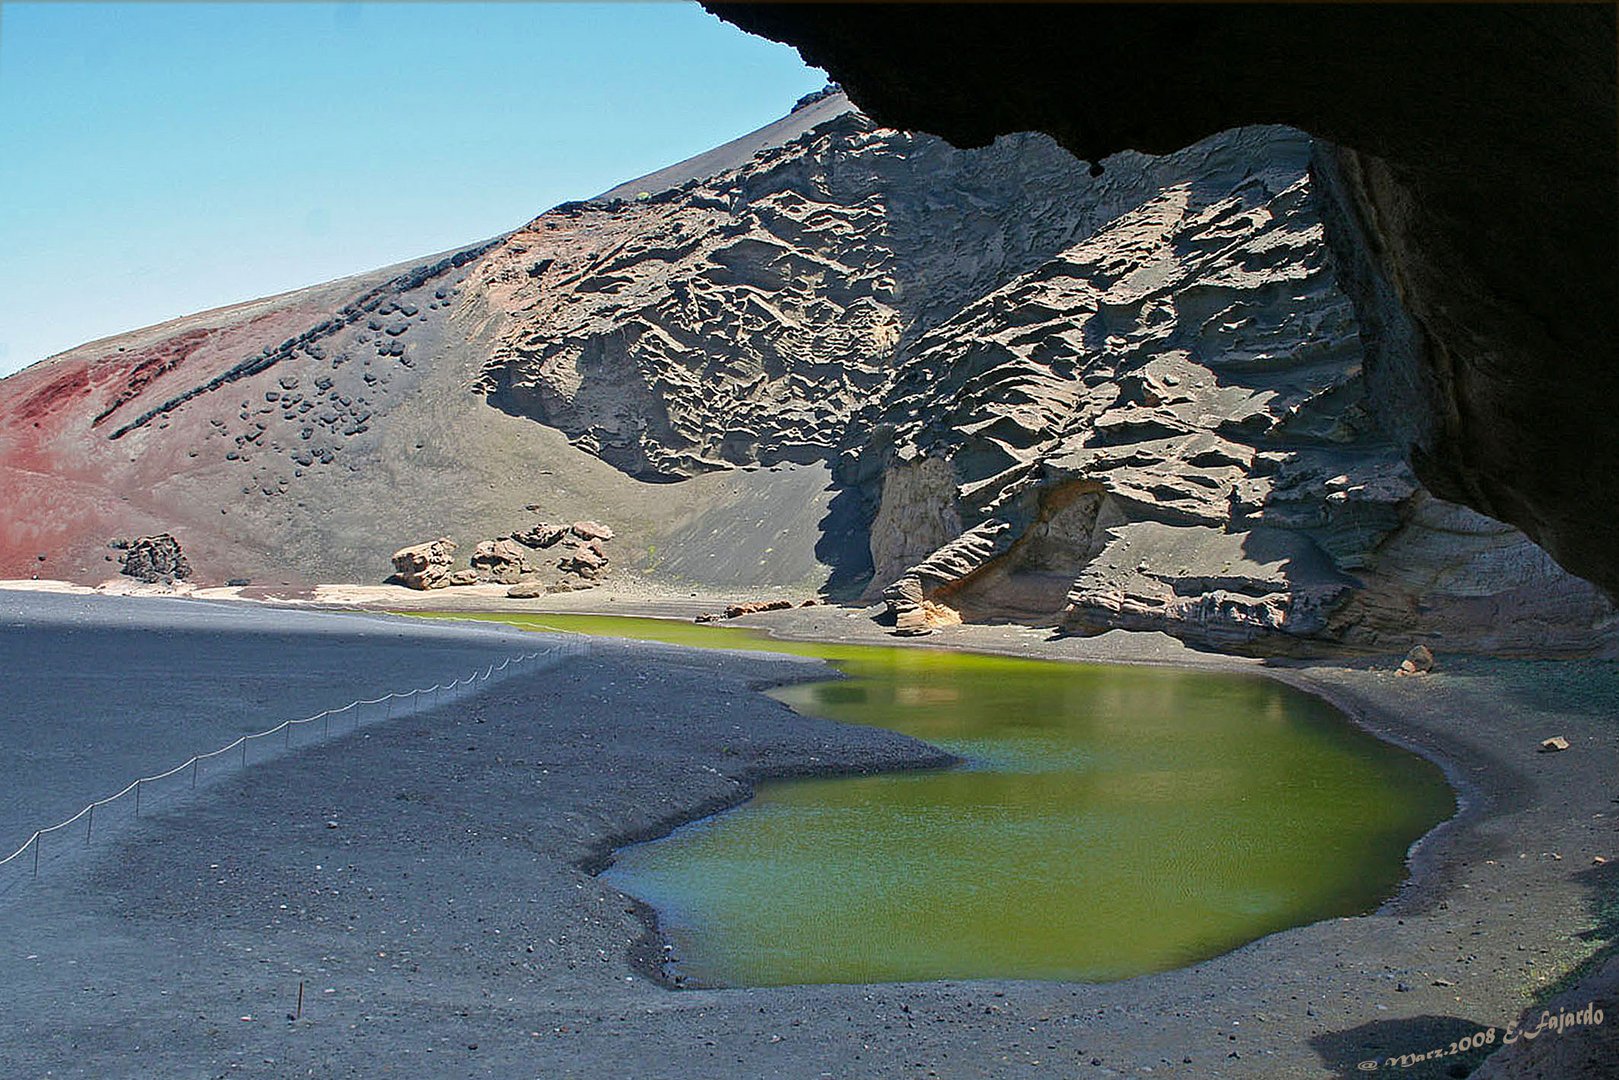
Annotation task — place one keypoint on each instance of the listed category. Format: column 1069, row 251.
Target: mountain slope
column 826, row 352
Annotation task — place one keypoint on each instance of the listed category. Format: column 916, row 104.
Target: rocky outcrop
column 541, row 536
column 501, row 561
column 588, row 531
column 913, row 613
column 541, row 559
column 577, row 549
column 1166, row 426
column 1477, row 192
column 1133, row 401
column 746, row 317
column 586, row 560
column 1148, row 398
column 425, row 566
column 1419, row 661
column 156, row 560
column 575, row 557
column 736, row 611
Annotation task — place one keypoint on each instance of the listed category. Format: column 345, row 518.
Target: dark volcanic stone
column 156, row 560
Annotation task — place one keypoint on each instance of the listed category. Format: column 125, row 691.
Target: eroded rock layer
column 1130, row 401
column 747, row 316
column 1477, row 189
column 983, row 383
column 1165, row 426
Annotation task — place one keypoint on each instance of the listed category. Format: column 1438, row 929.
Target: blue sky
column 159, row 159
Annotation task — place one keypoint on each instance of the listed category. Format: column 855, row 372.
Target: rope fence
column 143, row 793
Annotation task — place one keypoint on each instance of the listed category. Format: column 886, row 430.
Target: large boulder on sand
column 914, row 613
column 588, row 561
column 1419, row 661
column 541, row 535
column 155, row 559
column 425, row 566
column 499, row 560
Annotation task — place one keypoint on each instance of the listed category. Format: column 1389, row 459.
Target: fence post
column 137, row 798
column 89, row 822
column 36, row 856
column 244, row 751
column 288, row 742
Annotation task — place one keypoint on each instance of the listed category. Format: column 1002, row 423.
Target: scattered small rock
column 736, row 611
column 1553, row 745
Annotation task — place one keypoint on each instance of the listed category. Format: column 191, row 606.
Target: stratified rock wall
column 1476, row 162
column 828, row 355
column 1165, row 427
column 746, row 317
column 1135, row 400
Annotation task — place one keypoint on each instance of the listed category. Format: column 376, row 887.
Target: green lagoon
column 1109, row 821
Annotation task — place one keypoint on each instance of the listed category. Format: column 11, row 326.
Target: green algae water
column 1109, row 821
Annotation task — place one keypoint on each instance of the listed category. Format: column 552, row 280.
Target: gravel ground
column 428, row 882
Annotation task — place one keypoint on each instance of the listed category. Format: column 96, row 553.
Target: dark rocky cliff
column 1477, row 170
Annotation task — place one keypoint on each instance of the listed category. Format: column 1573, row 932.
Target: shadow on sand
column 1347, row 1051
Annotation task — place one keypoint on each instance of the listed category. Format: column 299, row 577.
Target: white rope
column 240, row 741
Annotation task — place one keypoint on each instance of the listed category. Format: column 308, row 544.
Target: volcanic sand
column 428, row 881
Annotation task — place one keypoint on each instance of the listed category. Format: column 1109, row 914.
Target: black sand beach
column 428, row 881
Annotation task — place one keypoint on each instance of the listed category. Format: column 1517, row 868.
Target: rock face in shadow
column 1167, row 426
column 1129, row 401
column 1475, row 200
